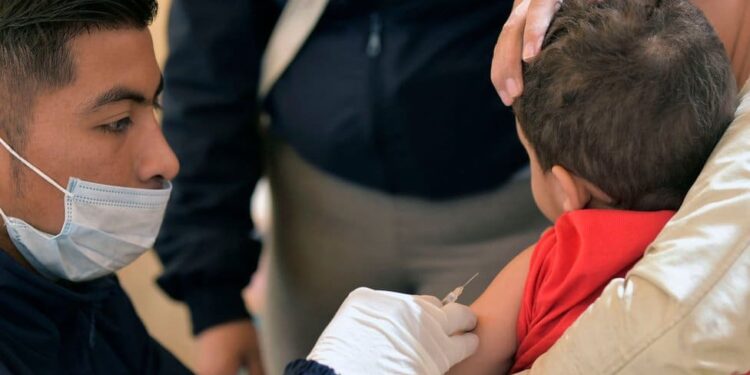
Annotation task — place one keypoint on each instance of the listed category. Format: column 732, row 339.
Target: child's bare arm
column 497, row 311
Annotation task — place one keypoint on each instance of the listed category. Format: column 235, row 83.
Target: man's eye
column 157, row 106
column 118, row 126
column 157, row 103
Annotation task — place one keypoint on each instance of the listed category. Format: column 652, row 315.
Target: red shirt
column 571, row 264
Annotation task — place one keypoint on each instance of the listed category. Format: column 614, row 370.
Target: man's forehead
column 114, row 63
column 107, row 57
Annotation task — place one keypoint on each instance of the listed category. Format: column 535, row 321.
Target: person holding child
column 615, row 141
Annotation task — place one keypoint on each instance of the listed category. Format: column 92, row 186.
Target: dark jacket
column 82, row 328
column 393, row 95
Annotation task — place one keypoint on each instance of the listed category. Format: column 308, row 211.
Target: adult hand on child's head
column 520, row 39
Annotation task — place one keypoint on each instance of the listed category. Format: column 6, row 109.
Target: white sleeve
column 685, row 307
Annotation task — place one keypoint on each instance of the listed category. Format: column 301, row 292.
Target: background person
column 391, row 165
column 645, row 110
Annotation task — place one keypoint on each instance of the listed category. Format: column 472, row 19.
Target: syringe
column 453, row 295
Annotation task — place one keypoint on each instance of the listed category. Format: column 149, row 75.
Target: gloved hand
column 379, row 332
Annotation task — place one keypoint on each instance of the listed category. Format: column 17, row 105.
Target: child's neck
column 731, row 19
column 595, row 203
column 737, row 43
column 741, row 54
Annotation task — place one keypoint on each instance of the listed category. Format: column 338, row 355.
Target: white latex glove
column 379, row 332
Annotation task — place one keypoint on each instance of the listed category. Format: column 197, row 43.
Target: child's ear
column 572, row 192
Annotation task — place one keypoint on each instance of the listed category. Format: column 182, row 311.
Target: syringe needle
column 470, row 280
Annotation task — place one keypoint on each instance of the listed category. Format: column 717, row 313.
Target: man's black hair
column 34, row 48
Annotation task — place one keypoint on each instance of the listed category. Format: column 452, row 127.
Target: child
column 620, row 111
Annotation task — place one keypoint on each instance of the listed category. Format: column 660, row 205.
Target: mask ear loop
column 5, row 217
column 33, row 168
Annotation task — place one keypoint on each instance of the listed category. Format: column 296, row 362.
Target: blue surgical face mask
column 105, row 229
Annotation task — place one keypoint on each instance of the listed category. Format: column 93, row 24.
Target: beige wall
column 167, row 320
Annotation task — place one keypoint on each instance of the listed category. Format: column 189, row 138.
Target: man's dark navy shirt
column 392, row 95
column 83, row 328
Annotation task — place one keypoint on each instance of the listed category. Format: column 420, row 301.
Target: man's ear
column 572, row 193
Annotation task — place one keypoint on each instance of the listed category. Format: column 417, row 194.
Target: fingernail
column 528, row 51
column 514, row 89
column 504, row 97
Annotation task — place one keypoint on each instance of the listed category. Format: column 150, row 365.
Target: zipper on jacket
column 374, row 41
column 381, row 129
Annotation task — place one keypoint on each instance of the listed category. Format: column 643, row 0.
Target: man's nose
column 158, row 161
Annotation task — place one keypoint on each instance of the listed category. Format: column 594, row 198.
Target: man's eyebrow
column 120, row 93
column 113, row 95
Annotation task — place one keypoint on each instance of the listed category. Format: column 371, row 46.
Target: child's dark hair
column 631, row 95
